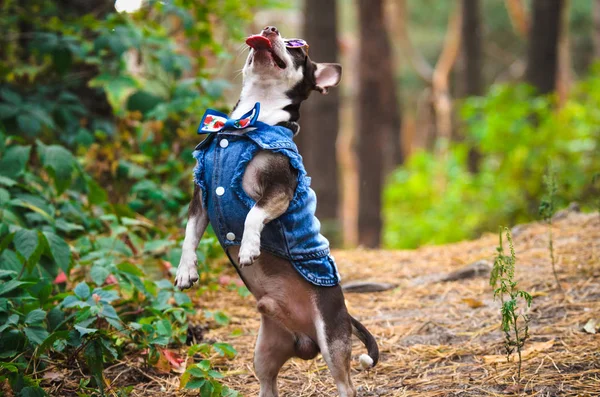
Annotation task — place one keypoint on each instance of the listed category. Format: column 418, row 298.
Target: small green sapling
column 547, row 209
column 515, row 323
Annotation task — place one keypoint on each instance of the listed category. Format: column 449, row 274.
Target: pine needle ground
column 436, row 338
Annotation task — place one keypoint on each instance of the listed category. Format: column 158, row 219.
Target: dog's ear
column 327, row 75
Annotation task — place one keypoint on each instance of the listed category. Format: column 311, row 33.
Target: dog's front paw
column 187, row 273
column 248, row 253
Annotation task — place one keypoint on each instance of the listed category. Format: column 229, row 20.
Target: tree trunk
column 394, row 155
column 377, row 117
column 596, row 33
column 471, row 70
column 320, row 118
column 471, row 64
column 564, row 74
column 542, row 54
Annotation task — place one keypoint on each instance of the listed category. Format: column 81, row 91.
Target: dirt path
column 442, row 338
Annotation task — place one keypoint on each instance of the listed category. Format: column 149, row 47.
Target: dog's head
column 280, row 74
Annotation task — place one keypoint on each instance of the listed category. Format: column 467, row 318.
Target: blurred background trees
column 384, row 150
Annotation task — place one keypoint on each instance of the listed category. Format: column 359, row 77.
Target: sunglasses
column 296, row 43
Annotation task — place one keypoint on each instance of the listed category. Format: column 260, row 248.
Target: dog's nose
column 270, row 30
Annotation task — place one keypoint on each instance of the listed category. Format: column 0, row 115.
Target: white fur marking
column 268, row 84
column 253, row 227
column 322, row 336
column 187, row 274
column 366, row 362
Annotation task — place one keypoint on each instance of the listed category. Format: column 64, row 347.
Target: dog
column 252, row 187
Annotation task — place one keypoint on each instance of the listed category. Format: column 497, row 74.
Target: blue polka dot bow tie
column 214, row 121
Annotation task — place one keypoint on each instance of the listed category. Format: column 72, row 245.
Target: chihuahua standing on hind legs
column 251, row 185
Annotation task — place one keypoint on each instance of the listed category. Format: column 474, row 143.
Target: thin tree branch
column 451, row 48
column 518, row 17
column 441, row 93
column 416, row 59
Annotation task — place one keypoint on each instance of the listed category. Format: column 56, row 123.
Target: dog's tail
column 370, row 360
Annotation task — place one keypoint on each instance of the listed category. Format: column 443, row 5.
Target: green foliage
column 97, row 117
column 202, row 376
column 436, row 199
column 515, row 324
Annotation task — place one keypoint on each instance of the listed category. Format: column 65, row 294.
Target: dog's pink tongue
column 258, row 42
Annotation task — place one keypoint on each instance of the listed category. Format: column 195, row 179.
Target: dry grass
column 432, row 341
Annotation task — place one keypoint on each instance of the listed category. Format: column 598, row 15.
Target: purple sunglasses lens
column 295, row 43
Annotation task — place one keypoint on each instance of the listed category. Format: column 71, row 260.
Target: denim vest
column 221, row 161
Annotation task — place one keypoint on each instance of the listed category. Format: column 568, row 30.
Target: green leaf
column 157, row 245
column 7, row 111
column 28, row 124
column 221, row 318
column 204, row 365
column 49, row 341
column 60, row 162
column 4, row 273
column 182, row 298
column 61, row 253
column 117, row 89
column 93, row 354
column 130, row 268
column 164, row 328
column 26, row 242
column 14, row 160
column 195, row 384
column 7, row 181
column 82, row 290
column 227, row 392
column 68, row 227
column 203, row 348
column 4, row 196
column 225, row 349
column 36, row 334
column 10, row 96
column 25, row 202
column 35, row 317
column 142, row 101
column 40, row 114
column 83, row 331
column 215, row 374
column 96, row 195
column 33, row 391
column 13, row 319
column 10, row 260
column 99, row 274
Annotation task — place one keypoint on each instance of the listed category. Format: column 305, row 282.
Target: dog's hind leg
column 334, row 334
column 274, row 346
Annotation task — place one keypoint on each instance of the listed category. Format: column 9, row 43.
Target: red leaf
column 170, row 360
column 61, row 278
column 166, row 265
column 111, row 280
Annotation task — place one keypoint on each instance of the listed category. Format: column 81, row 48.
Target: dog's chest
column 222, row 162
